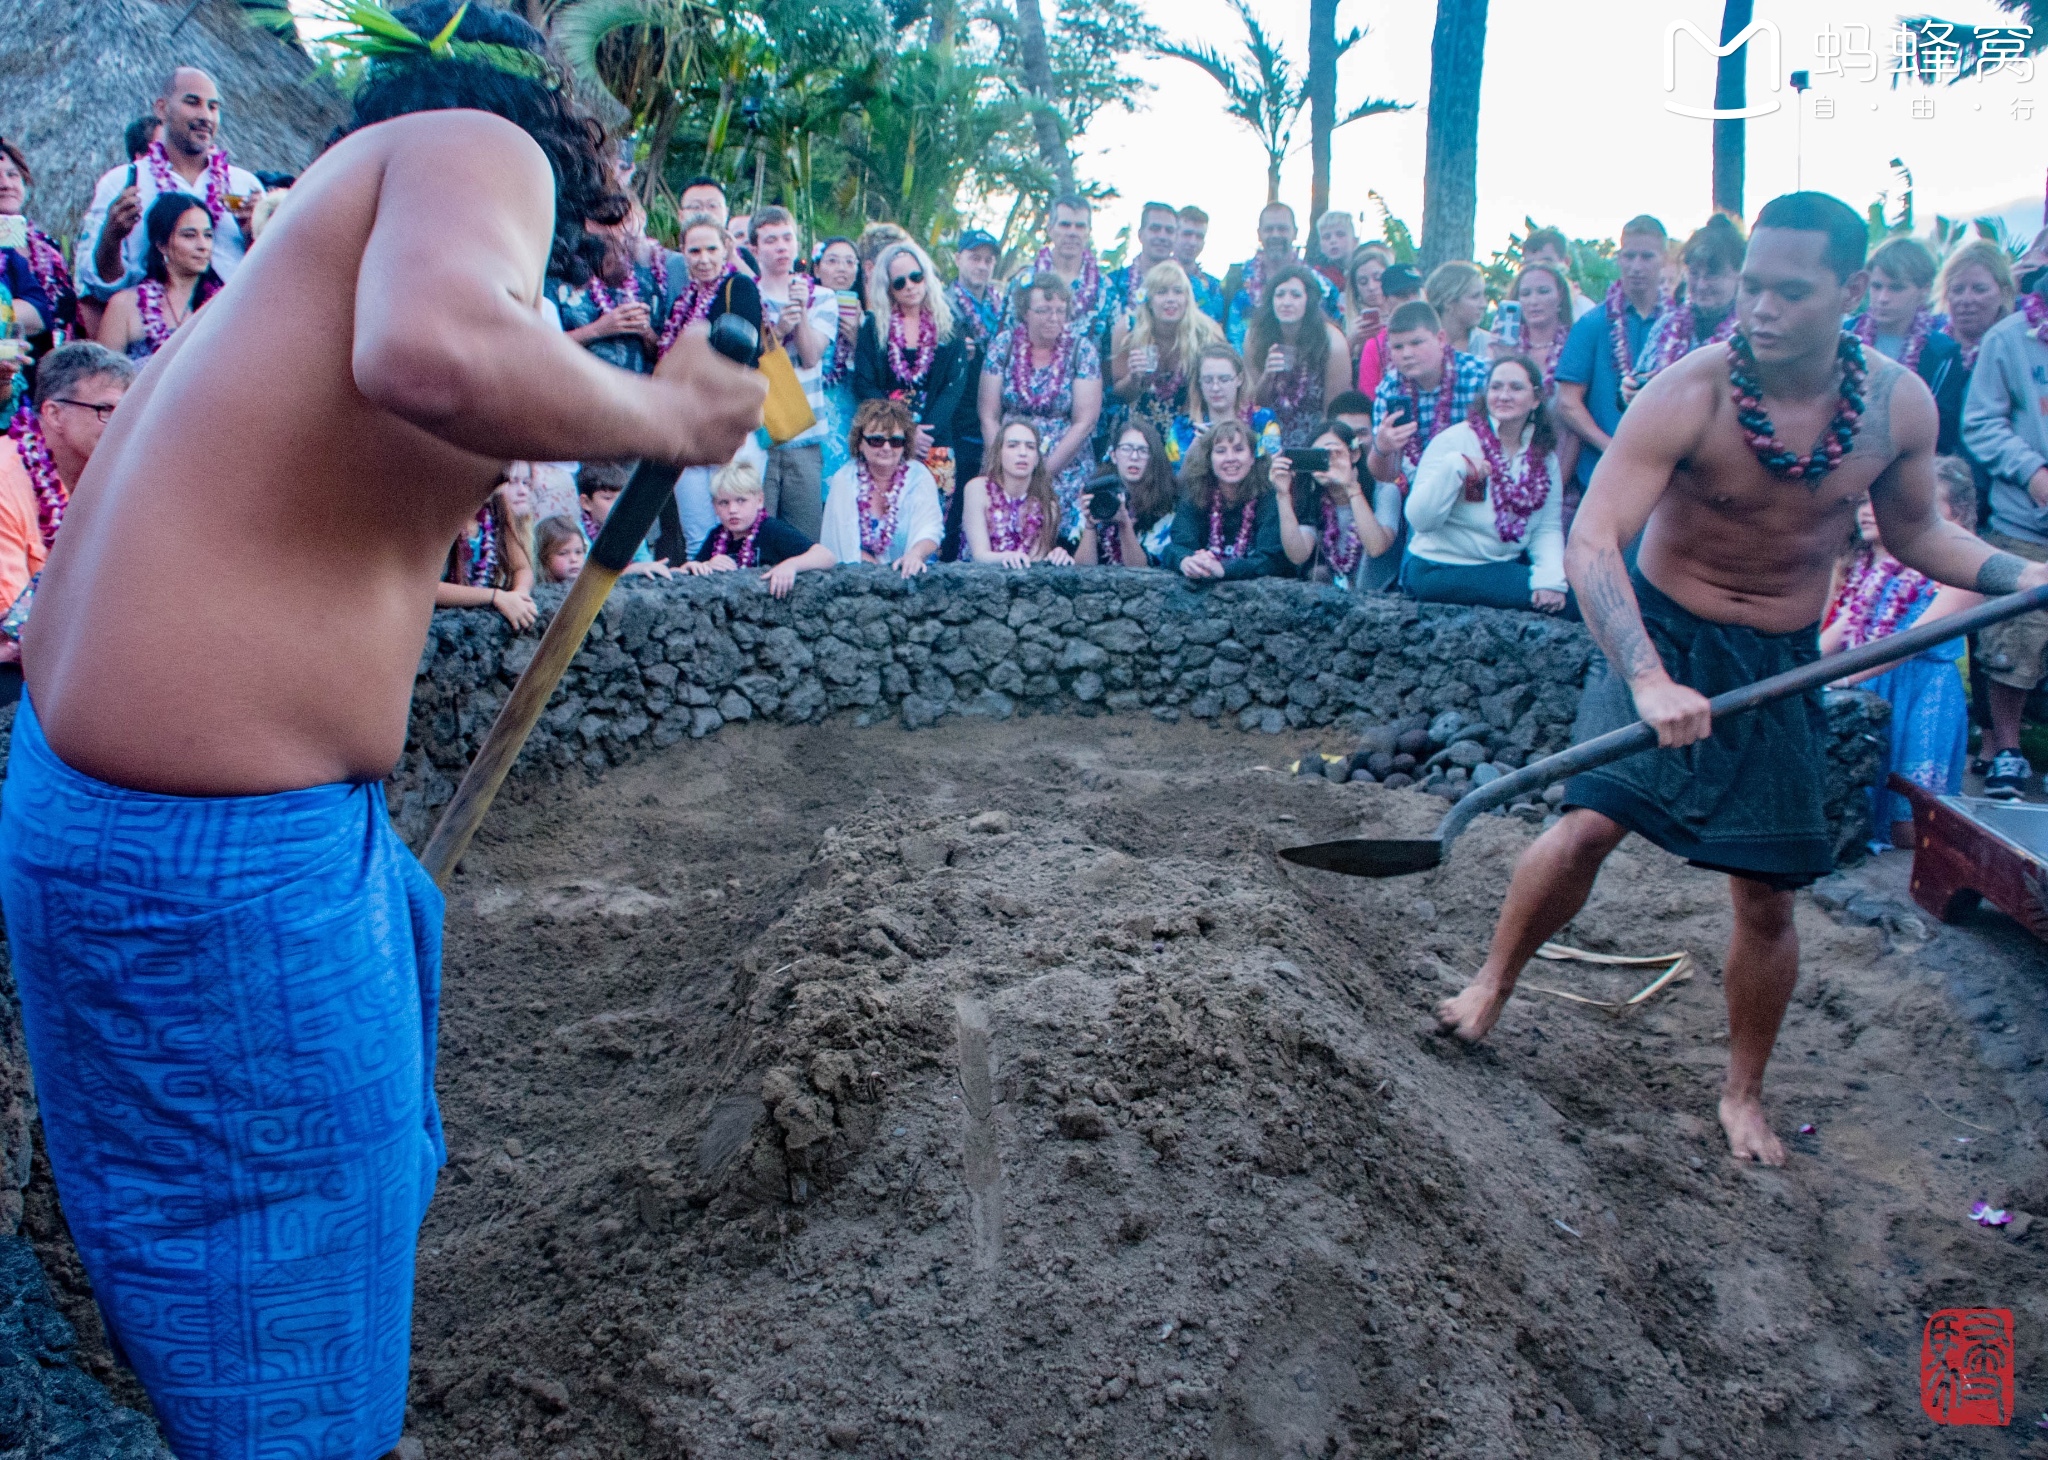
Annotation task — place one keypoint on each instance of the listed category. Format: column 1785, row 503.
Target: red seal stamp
column 1966, row 1367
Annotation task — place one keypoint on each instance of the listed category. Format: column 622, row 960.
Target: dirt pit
column 994, row 1091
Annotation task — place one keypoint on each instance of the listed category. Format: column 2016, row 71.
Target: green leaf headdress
column 374, row 36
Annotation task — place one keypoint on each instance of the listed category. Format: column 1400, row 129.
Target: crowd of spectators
column 1336, row 417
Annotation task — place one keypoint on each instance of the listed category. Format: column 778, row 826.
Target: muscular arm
column 1904, row 498
column 1571, row 409
column 1632, row 477
column 448, row 338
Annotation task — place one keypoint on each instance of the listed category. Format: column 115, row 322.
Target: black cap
column 1400, row 279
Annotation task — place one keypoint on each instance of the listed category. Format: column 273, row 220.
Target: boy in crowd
column 1429, row 388
column 747, row 537
column 598, row 486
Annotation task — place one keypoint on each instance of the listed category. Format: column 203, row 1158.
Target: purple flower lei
column 912, row 372
column 1916, row 335
column 1515, row 499
column 1014, row 523
column 26, row 432
column 877, row 534
column 167, row 181
column 1032, row 399
column 745, row 551
column 153, row 302
column 1229, row 550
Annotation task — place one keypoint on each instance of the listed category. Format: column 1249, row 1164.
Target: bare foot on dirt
column 1473, row 1013
column 1749, row 1132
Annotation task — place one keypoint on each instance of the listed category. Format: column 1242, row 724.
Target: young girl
column 838, row 269
column 1219, row 391
column 747, row 537
column 558, row 547
column 489, row 566
column 1331, row 524
column 1226, row 525
column 1012, row 516
column 1136, row 536
column 1930, row 706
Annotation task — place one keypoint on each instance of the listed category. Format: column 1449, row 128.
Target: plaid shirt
column 1467, row 377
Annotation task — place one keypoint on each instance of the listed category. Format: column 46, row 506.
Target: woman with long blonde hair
column 1150, row 361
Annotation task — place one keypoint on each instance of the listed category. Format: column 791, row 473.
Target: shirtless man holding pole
column 1739, row 533
column 228, row 962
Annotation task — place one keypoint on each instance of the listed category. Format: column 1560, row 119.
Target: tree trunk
column 1450, row 185
column 1731, row 93
column 1052, row 147
column 1322, row 101
column 1273, row 162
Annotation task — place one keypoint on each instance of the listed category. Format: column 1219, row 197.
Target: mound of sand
column 995, row 1091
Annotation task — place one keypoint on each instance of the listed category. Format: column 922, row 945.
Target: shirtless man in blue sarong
column 228, row 963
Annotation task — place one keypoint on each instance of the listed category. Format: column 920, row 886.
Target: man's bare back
column 247, row 571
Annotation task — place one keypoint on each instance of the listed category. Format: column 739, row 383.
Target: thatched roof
column 74, row 73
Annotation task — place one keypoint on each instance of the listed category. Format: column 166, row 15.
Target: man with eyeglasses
column 77, row 389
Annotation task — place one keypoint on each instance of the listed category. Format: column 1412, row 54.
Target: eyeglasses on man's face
column 904, row 281
column 892, row 443
column 105, row 411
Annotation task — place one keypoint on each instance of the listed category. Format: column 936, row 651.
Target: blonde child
column 747, row 537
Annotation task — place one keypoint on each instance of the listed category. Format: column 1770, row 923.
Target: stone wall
column 673, row 660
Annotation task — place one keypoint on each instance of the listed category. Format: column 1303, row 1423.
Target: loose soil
column 995, row 1091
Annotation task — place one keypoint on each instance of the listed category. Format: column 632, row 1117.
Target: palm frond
column 1373, row 107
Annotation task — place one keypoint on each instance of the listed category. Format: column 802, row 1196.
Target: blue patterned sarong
column 230, row 1006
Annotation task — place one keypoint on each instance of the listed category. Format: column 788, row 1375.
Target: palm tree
column 1731, row 93
column 1266, row 95
column 1325, row 49
column 644, row 52
column 1450, row 178
column 1038, row 80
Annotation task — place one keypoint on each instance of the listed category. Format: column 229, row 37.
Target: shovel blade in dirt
column 1403, row 856
column 1364, row 857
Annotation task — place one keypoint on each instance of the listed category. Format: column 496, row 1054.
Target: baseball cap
column 977, row 238
column 1400, row 279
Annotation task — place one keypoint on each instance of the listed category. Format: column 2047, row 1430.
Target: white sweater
column 1445, row 528
column 920, row 517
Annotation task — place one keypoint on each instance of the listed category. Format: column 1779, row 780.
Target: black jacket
column 1264, row 559
column 946, row 387
column 1941, row 366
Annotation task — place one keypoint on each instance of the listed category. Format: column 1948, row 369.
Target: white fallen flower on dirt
column 1985, row 1215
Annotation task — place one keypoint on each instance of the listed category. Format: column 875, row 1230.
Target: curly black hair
column 544, row 109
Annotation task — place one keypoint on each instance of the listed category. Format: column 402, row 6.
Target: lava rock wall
column 673, row 660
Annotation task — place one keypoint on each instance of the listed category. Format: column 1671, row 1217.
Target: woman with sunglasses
column 910, row 351
column 883, row 507
column 1135, row 533
column 1011, row 517
column 1051, row 376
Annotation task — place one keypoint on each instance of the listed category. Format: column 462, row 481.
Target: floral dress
column 1047, row 401
column 836, row 402
column 1930, row 730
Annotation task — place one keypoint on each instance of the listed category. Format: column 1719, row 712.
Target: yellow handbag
column 787, row 414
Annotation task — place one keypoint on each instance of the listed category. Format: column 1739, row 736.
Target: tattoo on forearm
column 1614, row 617
column 2000, row 574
